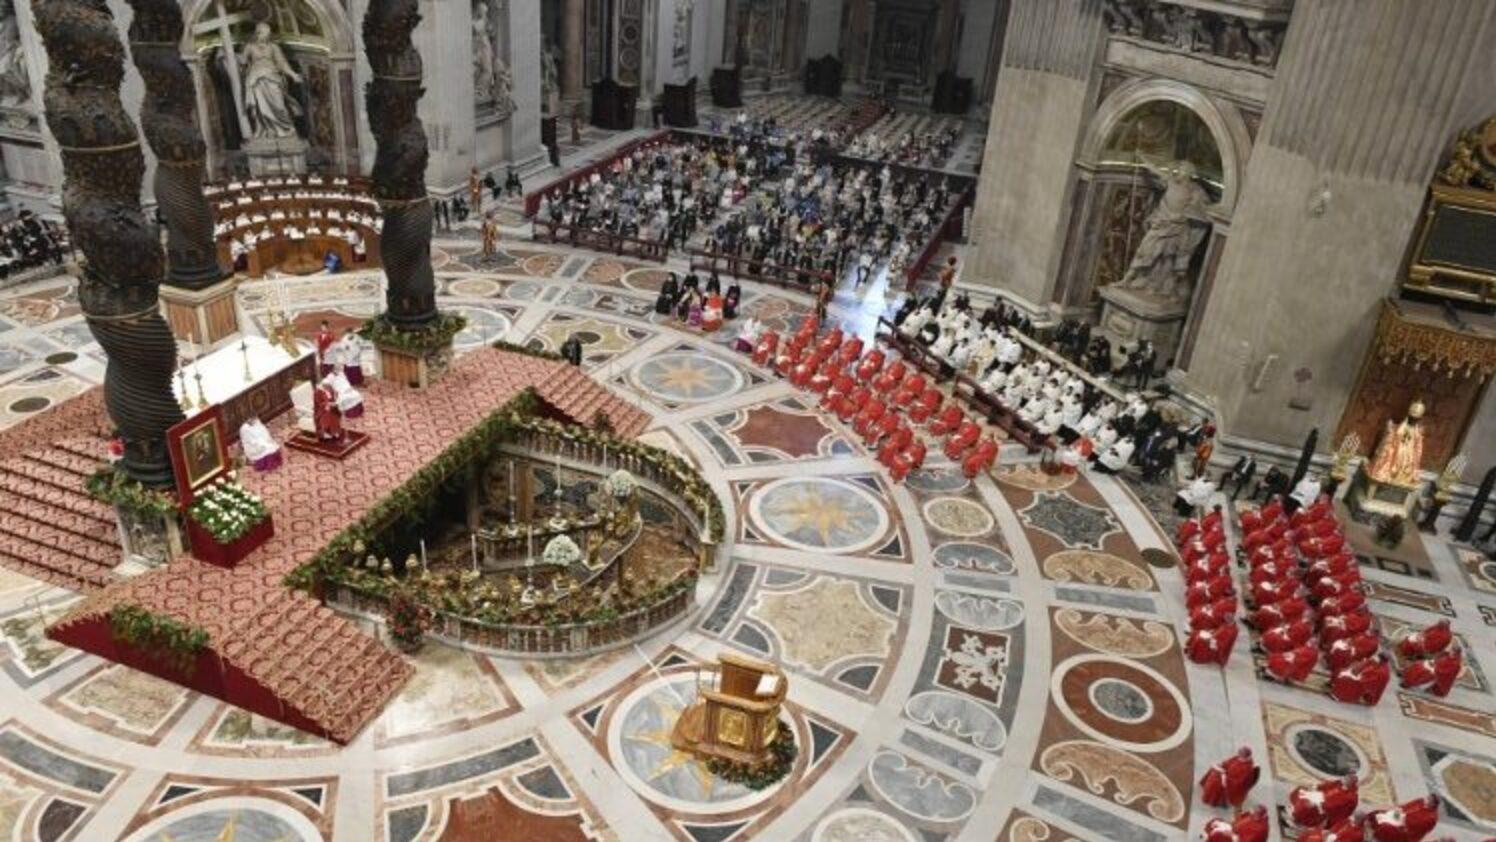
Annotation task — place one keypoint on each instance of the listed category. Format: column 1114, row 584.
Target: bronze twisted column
column 400, row 161
column 168, row 119
column 122, row 263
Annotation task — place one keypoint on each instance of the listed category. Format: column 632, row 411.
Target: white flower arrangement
column 621, row 483
column 562, row 551
column 227, row 510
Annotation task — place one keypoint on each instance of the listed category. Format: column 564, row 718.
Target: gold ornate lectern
column 736, row 712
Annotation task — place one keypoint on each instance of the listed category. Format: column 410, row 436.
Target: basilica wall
column 823, row 28
column 1333, row 196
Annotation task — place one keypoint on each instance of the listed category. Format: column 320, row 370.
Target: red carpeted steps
column 50, row 527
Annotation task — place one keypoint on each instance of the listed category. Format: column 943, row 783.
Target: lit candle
column 474, row 538
column 423, row 554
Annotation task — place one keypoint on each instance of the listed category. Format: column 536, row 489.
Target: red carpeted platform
column 278, row 652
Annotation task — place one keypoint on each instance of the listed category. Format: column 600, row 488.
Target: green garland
column 781, row 760
column 429, row 337
column 174, row 642
column 526, row 350
column 480, row 442
column 115, row 488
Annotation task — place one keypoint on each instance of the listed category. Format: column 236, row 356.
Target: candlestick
column 184, row 400
column 475, row 552
column 202, row 399
column 423, row 554
column 244, row 352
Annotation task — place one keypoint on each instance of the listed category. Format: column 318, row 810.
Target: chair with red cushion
column 927, row 405
column 870, row 364
column 891, row 378
column 850, row 350
column 768, row 344
column 962, row 439
column 886, row 426
column 980, row 458
column 871, row 413
column 947, row 421
column 895, row 443
column 852, row 404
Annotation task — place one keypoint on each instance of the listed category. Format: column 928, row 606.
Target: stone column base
column 207, row 317
column 1128, row 316
column 416, row 369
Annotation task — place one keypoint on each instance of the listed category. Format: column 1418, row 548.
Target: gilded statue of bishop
column 1400, row 452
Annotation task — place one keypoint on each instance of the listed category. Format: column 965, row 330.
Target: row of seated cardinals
column 1325, row 812
column 1304, row 587
column 883, row 402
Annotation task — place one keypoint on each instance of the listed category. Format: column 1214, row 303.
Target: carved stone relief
column 1192, row 30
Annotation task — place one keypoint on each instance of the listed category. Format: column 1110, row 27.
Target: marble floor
column 969, row 660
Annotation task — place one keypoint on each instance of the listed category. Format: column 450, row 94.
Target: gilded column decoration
column 1424, row 344
column 168, row 119
column 103, row 167
column 400, row 161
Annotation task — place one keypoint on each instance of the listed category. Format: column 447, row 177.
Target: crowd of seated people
column 662, row 193
column 27, row 242
column 293, row 208
column 1086, row 423
column 914, row 140
column 837, row 219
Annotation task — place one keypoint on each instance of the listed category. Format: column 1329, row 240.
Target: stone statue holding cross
column 267, row 101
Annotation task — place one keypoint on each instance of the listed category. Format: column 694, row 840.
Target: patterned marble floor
column 969, row 660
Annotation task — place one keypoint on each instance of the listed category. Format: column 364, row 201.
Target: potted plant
column 226, row 522
column 407, row 621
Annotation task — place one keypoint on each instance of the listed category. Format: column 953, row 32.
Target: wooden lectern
column 736, row 713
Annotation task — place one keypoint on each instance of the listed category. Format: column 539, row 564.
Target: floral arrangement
column 621, row 483
column 781, row 760
column 430, row 337
column 227, row 510
column 112, row 486
column 407, row 620
column 175, row 643
column 561, row 551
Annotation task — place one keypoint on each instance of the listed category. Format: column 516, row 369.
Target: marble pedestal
column 206, row 317
column 276, row 156
column 1128, row 316
column 415, row 369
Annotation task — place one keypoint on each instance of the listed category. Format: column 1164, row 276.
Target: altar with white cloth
column 251, row 377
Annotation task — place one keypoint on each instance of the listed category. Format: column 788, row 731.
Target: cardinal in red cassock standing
column 1228, row 782
column 1325, row 805
column 1246, row 827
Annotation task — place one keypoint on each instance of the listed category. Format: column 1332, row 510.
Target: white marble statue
column 503, row 87
column 483, row 54
column 1175, row 228
column 267, row 102
column 15, row 77
column 550, row 79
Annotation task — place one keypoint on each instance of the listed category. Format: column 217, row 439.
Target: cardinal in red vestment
column 1246, row 827
column 1228, row 782
column 1429, row 641
column 1293, row 666
column 1439, row 673
column 1325, row 805
column 1361, row 682
column 1213, row 615
column 1211, row 646
column 326, row 416
column 324, row 339
column 1409, row 822
column 1287, row 636
column 1348, row 650
column 1282, row 611
column 1345, row 831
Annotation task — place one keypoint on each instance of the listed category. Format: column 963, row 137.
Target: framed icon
column 199, row 452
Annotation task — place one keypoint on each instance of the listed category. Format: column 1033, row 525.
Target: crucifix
column 221, row 24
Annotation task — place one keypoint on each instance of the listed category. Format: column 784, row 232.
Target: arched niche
column 1140, row 128
column 318, row 41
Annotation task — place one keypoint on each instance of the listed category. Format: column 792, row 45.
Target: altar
column 252, row 377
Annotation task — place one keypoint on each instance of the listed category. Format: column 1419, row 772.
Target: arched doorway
column 1157, row 179
column 311, row 97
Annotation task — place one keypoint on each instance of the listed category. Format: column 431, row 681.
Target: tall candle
column 423, row 554
column 475, row 552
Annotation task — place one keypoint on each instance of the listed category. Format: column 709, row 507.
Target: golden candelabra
column 202, row 399
column 1350, row 447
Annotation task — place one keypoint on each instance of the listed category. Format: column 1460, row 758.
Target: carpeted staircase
column 50, row 528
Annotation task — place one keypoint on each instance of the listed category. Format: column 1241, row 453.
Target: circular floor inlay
column 475, row 288
column 1326, row 752
column 31, row 404
column 819, row 515
column 687, row 377
column 859, row 824
column 958, row 516
column 61, row 358
column 937, row 480
column 1121, row 700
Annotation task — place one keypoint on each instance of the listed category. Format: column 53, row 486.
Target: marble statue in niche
column 1176, row 226
column 483, row 54
column 15, row 77
column 681, row 38
column 268, row 103
column 550, row 80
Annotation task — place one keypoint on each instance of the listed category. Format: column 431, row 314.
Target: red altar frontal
column 279, row 652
